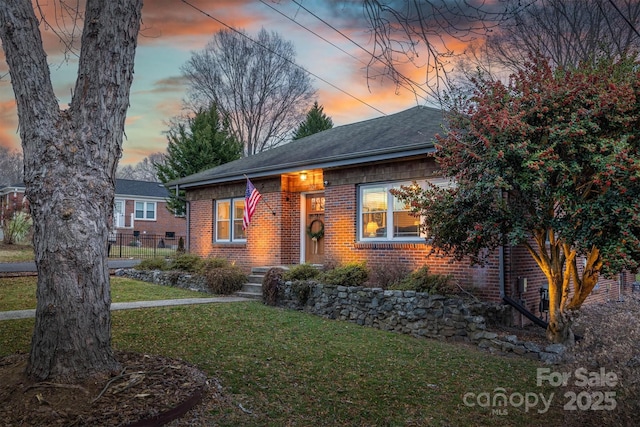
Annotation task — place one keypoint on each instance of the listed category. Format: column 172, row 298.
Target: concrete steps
column 253, row 288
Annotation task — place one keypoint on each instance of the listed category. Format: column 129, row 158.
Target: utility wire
column 313, row 32
column 342, row 50
column 408, row 79
column 624, row 17
column 281, row 57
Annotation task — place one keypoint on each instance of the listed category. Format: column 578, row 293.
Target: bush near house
column 423, row 281
column 301, row 272
column 272, row 278
column 222, row 277
column 354, row 274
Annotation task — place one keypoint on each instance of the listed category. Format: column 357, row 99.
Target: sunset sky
column 173, row 29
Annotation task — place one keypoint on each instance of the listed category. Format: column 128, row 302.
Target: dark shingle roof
column 129, row 187
column 408, row 132
column 124, row 187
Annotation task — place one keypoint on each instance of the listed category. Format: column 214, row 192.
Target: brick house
column 336, row 183
column 139, row 208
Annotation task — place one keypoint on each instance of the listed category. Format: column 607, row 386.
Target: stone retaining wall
column 406, row 312
column 176, row 279
column 413, row 313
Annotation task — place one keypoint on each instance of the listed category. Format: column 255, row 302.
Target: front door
column 314, row 229
column 118, row 214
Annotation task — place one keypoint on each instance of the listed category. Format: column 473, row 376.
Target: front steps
column 253, row 288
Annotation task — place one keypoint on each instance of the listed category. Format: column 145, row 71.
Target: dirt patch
column 150, row 390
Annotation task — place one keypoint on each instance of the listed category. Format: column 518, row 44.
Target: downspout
column 501, row 271
column 186, row 237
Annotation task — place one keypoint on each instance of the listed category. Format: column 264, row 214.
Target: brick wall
column 266, row 236
column 275, row 239
column 164, row 222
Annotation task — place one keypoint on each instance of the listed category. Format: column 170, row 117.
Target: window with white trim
column 145, row 210
column 228, row 220
column 384, row 217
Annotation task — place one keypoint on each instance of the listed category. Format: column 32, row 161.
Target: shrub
column 354, row 274
column 186, row 262
column 423, row 281
column 388, row 274
column 270, row 282
column 301, row 272
column 225, row 280
column 17, row 228
column 152, row 264
column 209, row 263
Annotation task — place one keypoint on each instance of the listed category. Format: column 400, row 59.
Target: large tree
column 70, row 159
column 550, row 161
column 144, row 170
column 256, row 85
column 566, row 32
column 203, row 142
column 445, row 38
column 315, row 121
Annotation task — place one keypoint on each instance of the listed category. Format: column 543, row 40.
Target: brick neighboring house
column 338, row 181
column 139, row 208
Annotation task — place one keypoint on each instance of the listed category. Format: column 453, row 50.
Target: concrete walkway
column 26, row 314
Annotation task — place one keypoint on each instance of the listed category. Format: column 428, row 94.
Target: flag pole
column 265, row 202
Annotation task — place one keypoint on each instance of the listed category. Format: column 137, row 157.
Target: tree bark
column 551, row 257
column 70, row 162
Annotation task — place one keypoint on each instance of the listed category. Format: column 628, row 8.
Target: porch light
column 303, row 176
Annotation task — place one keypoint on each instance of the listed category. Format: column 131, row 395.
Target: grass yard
column 290, row 368
column 15, row 253
column 20, row 293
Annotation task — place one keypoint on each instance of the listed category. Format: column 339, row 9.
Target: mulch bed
column 149, row 391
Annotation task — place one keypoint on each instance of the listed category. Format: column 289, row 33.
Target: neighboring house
column 12, row 199
column 336, row 184
column 139, row 208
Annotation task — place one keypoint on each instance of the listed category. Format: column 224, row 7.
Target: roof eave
column 269, row 171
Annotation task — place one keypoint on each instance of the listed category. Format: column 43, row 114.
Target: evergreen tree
column 316, row 121
column 203, row 142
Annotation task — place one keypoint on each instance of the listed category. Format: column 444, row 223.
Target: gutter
column 326, row 163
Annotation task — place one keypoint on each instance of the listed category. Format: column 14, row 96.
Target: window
column 145, row 210
column 383, row 217
column 228, row 220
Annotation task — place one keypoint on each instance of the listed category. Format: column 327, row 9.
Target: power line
column 624, row 17
column 344, row 51
column 281, row 57
column 408, row 79
column 313, row 32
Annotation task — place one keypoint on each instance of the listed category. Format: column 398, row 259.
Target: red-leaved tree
column 550, row 161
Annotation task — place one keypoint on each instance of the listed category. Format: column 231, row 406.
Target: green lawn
column 20, row 293
column 15, row 253
column 291, row 368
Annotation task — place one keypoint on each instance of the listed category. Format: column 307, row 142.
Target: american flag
column 251, row 199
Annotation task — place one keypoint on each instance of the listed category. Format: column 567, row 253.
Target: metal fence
column 134, row 245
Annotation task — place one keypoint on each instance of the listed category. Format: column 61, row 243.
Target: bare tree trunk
column 70, row 162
